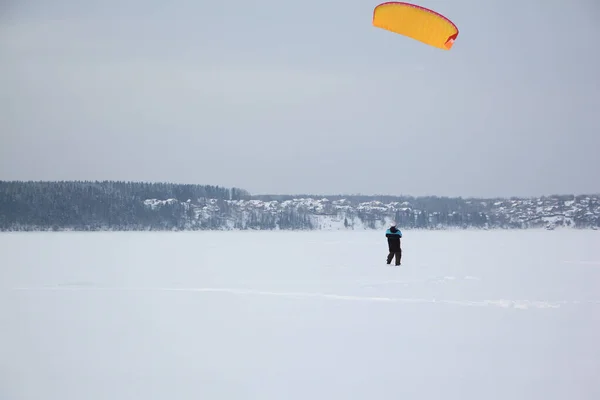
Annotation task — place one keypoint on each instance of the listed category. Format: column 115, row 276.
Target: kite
column 416, row 22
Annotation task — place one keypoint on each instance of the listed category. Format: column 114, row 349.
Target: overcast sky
column 302, row 96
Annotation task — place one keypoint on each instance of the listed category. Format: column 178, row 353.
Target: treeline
column 88, row 205
column 115, row 205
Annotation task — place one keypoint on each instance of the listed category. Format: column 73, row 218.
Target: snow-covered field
column 300, row 315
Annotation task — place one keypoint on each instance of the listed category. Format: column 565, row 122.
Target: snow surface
column 300, row 315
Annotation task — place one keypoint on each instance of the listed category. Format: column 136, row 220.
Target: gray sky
column 302, row 96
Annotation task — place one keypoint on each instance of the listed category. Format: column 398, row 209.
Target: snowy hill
column 325, row 214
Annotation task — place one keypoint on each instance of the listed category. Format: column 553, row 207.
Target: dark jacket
column 393, row 236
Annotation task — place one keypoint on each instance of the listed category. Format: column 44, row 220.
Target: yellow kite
column 416, row 22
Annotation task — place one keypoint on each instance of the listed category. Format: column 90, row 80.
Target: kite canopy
column 416, row 22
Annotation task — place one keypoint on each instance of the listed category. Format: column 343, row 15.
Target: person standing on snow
column 393, row 236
